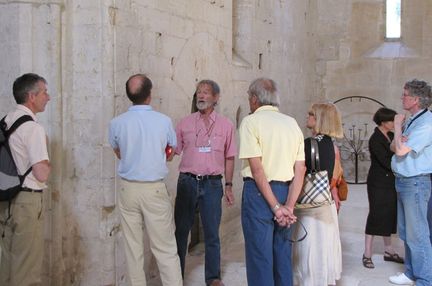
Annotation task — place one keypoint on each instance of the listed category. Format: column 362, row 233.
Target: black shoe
column 367, row 262
column 393, row 257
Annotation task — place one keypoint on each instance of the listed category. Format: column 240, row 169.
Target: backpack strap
column 22, row 177
column 16, row 124
column 3, row 124
column 7, row 133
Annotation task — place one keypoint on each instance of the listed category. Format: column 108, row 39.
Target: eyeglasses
column 406, row 93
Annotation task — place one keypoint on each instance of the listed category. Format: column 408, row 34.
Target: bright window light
column 393, row 19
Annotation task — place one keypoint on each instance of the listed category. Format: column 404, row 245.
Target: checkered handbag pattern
column 316, row 189
column 316, row 186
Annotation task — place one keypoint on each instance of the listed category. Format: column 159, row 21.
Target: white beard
column 202, row 105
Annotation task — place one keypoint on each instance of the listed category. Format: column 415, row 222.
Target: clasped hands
column 284, row 216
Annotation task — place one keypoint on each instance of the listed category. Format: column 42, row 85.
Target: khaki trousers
column 148, row 204
column 22, row 243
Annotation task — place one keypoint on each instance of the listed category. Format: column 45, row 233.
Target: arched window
column 393, row 19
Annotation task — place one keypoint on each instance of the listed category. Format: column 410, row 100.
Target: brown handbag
column 342, row 187
column 341, row 184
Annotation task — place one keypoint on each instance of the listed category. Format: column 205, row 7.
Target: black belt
column 276, row 182
column 25, row 189
column 203, row 177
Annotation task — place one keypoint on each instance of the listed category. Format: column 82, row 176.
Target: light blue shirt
column 141, row 134
column 419, row 160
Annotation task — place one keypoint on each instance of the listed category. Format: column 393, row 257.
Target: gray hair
column 422, row 90
column 25, row 84
column 265, row 90
column 213, row 85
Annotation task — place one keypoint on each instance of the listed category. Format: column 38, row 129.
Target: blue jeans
column 267, row 248
column 413, row 198
column 207, row 196
column 430, row 215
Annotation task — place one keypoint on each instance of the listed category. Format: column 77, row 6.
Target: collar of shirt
column 27, row 110
column 267, row 108
column 140, row 107
column 415, row 114
column 411, row 118
column 212, row 116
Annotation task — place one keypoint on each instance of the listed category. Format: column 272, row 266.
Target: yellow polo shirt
column 276, row 138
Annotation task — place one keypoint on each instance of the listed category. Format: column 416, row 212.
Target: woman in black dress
column 382, row 218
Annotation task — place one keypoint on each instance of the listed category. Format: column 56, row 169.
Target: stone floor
column 352, row 220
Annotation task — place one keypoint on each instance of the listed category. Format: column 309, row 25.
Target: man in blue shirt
column 139, row 137
column 412, row 166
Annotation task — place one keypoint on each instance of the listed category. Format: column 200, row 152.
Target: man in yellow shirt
column 272, row 149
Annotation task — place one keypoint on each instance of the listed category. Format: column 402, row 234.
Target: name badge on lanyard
column 204, row 149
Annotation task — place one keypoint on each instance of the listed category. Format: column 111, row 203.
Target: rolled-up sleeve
column 112, row 139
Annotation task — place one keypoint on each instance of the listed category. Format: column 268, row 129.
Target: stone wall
column 315, row 50
column 87, row 49
column 355, row 59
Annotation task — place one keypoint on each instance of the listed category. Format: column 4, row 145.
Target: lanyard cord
column 417, row 116
column 208, row 132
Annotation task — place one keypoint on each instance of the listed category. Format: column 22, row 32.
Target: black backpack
column 10, row 181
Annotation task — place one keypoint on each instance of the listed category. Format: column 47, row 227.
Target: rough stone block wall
column 355, row 59
column 87, row 50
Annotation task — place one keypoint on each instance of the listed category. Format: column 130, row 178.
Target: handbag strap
column 315, row 161
column 286, row 233
column 303, row 236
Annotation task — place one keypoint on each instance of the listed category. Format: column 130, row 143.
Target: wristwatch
column 276, row 207
column 228, row 184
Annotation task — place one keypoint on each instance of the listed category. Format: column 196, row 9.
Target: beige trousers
column 148, row 204
column 22, row 243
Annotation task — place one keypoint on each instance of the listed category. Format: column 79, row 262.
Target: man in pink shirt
column 208, row 144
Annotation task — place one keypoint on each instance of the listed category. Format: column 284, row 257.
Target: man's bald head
column 138, row 88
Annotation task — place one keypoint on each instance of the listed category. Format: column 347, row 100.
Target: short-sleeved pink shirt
column 205, row 148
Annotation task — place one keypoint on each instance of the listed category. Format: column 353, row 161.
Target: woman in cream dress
column 317, row 260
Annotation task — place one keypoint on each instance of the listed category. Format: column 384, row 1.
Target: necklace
column 206, row 136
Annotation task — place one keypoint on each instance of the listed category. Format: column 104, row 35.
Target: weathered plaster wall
column 353, row 58
column 31, row 40
column 315, row 50
column 87, row 50
column 89, row 220
column 179, row 43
